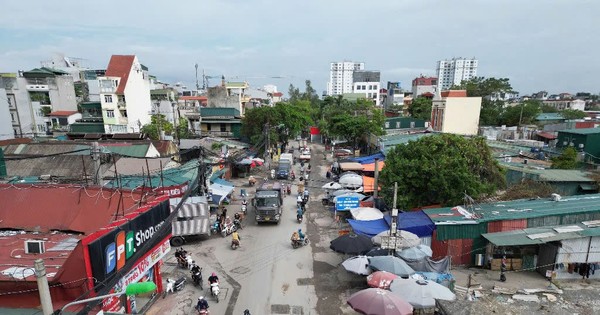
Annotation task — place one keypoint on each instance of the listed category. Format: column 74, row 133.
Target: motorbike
column 244, row 208
column 214, row 229
column 235, row 244
column 197, row 278
column 214, row 290
column 300, row 243
column 237, row 223
column 299, row 218
column 293, row 176
column 183, row 258
column 289, row 189
column 179, row 284
column 228, row 229
column 202, row 312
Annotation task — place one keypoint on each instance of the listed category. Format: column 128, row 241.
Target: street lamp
column 131, row 289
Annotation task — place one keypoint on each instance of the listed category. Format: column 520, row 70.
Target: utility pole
column 158, row 120
column 43, row 288
column 96, row 158
column 175, row 136
column 394, row 223
column 267, row 143
column 375, row 182
column 197, row 85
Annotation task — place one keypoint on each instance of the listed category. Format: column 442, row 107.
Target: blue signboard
column 346, row 203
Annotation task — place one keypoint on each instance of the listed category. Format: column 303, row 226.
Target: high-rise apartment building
column 341, row 76
column 368, row 83
column 453, row 71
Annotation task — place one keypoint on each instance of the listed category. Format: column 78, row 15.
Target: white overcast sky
column 539, row 44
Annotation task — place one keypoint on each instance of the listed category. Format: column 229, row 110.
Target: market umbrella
column 415, row 253
column 379, row 302
column 353, row 244
column 391, row 264
column 341, row 192
column 380, row 279
column 351, row 194
column 421, row 293
column 377, row 252
column 405, row 238
column 258, row 161
column 365, row 213
column 358, row 265
column 351, row 181
column 332, row 186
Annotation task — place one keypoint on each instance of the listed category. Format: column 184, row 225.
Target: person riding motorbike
column 299, row 199
column 306, row 194
column 301, row 235
column 202, row 304
column 295, row 237
column 195, row 269
column 235, row 239
column 299, row 212
column 213, row 278
column 293, row 175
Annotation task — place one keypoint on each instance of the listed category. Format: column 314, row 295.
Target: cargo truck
column 268, row 202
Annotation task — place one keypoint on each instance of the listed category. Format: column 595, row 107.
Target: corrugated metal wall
column 577, row 218
column 460, row 231
column 506, row 225
column 573, row 250
column 543, row 221
column 460, row 250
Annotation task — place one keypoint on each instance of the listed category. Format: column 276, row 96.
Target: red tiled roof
column 62, row 207
column 63, row 113
column 120, row 66
column 427, row 94
column 15, row 141
column 454, row 93
column 278, row 94
column 193, row 98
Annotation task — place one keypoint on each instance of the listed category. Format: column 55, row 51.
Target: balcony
column 37, row 87
column 121, row 105
column 108, row 90
column 223, row 134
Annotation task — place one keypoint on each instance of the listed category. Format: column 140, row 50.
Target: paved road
column 265, row 275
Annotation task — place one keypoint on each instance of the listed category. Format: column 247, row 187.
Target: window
column 12, row 117
column 108, row 98
column 387, row 124
column 223, row 127
column 110, row 113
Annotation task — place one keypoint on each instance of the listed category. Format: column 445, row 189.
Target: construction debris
column 526, row 298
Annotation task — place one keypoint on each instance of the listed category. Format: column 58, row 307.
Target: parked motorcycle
column 214, row 290
column 228, row 229
column 197, row 278
column 299, row 243
column 179, row 284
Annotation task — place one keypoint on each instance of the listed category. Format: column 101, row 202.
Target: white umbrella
column 332, row 186
column 352, row 181
column 365, row 213
column 358, row 265
column 417, row 252
column 341, row 192
column 406, row 239
column 421, row 293
column 351, row 194
column 391, row 264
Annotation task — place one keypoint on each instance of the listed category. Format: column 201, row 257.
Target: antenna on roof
column 471, row 206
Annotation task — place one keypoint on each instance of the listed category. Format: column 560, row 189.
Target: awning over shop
column 219, row 192
column 370, row 158
column 369, row 184
column 351, row 166
column 222, row 182
column 371, row 167
column 588, row 187
column 546, row 135
column 217, row 174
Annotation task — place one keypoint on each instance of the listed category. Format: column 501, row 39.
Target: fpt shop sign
column 109, row 253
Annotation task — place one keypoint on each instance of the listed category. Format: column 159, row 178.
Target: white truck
column 287, row 157
column 304, row 155
column 193, row 219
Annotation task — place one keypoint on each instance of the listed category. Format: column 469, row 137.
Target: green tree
column 566, row 160
column 440, row 169
column 545, row 108
column 294, row 94
column 151, row 129
column 183, row 130
column 353, row 121
column 420, row 108
column 573, row 114
column 524, row 113
column 291, row 118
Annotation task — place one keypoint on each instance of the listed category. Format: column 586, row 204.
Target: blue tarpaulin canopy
column 416, row 222
column 369, row 228
column 369, row 158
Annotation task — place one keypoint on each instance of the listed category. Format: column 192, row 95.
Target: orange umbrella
column 371, row 167
column 381, row 279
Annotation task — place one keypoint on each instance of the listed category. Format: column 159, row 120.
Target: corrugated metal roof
column 553, row 175
column 71, row 166
column 170, row 177
column 207, row 112
column 391, row 141
column 518, row 209
column 127, row 149
column 550, row 116
column 581, row 131
column 541, row 235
